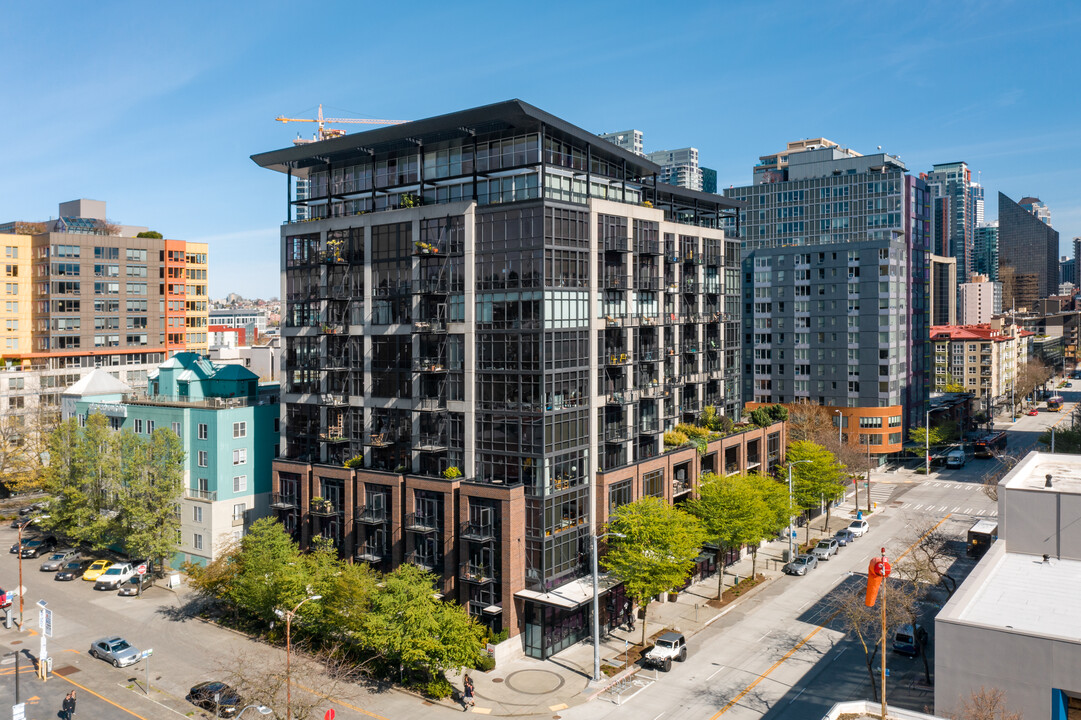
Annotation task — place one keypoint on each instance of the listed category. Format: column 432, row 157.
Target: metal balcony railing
column 477, row 574
column 281, row 501
column 477, row 532
column 423, row 524
column 371, row 515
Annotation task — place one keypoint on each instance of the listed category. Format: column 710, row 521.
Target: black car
column 228, row 702
column 22, row 521
column 73, row 570
column 33, row 548
column 132, row 586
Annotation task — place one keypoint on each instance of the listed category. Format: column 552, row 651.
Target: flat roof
column 1031, row 473
column 1021, row 593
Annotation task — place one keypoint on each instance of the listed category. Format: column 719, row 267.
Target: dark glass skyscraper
column 1028, row 255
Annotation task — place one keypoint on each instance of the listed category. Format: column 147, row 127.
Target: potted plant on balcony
column 321, row 504
column 452, row 473
column 354, row 462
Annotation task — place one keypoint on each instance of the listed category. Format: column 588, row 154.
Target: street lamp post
column 288, row 615
column 927, row 443
column 21, row 593
column 597, row 604
column 791, row 522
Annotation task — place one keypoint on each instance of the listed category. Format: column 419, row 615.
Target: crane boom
column 325, row 133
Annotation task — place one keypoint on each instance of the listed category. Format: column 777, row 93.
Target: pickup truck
column 117, row 574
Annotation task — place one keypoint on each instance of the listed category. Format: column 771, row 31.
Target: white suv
column 669, row 646
column 117, row 574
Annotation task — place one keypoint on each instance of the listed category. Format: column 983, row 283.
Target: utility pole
column 927, row 443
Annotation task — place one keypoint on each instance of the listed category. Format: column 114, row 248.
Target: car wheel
column 116, row 663
column 683, row 654
column 92, row 653
column 667, row 664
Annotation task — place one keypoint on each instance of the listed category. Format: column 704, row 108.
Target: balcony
column 207, row 495
column 690, row 348
column 615, row 281
column 623, row 397
column 617, row 433
column 649, row 427
column 430, row 404
column 652, row 391
column 690, row 286
column 680, row 487
column 333, row 400
column 647, row 282
column 371, row 515
column 280, row 501
column 371, row 553
column 692, row 257
column 420, row 523
column 379, row 440
column 424, row 562
column 431, row 443
column 617, row 244
column 616, row 357
column 429, row 365
column 647, row 247
column 477, row 532
column 615, row 320
column 692, row 405
column 648, row 320
column 714, row 259
column 332, row 438
column 432, row 326
column 650, row 355
column 432, row 286
column 322, row 508
column 477, row 574
column 333, row 329
column 396, row 290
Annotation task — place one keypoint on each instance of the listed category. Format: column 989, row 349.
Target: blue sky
column 156, row 107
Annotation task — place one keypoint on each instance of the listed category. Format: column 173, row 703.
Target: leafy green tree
column 151, row 491
column 709, row 418
column 407, row 626
column 150, row 234
column 817, row 477
column 779, row 509
column 953, row 385
column 652, row 547
column 1067, row 440
column 777, row 413
column 732, row 513
column 270, row 573
column 760, row 417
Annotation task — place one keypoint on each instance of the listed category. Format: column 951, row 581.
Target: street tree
column 865, row 623
column 779, row 509
column 816, row 478
column 652, row 548
column 1031, row 375
column 269, row 573
column 23, row 444
column 731, row 512
column 152, row 487
column 817, row 424
column 986, row 704
column 407, row 627
column 315, row 676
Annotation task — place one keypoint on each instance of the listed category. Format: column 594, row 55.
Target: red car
column 1034, row 412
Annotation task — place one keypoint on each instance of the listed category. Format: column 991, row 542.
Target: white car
column 115, row 576
column 858, row 527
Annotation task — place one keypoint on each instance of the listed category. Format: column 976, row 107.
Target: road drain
column 66, row 670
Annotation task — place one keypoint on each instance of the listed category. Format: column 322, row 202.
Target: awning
column 572, row 595
column 492, row 610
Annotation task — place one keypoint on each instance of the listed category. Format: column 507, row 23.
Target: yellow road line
column 100, row 697
column 814, row 632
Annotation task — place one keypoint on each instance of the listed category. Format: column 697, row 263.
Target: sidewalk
column 525, row 686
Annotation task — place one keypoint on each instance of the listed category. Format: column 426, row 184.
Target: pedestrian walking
column 467, row 694
column 69, row 706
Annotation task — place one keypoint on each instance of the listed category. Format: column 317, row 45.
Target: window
column 240, row 483
column 240, row 429
column 138, row 425
column 202, row 458
column 619, row 494
column 240, row 456
column 197, row 541
column 653, row 483
column 149, row 427
column 176, row 429
column 238, row 512
column 202, row 431
column 197, row 513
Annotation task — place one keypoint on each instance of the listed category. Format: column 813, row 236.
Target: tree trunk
column 645, row 615
column 871, row 672
column 829, row 507
column 720, row 573
column 926, row 663
column 754, row 561
column 807, row 539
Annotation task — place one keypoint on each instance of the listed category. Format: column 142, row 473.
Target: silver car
column 801, row 565
column 116, row 650
column 59, row 559
column 825, row 548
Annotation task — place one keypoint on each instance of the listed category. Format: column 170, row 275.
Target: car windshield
column 56, row 556
column 113, row 571
column 664, row 643
column 901, row 637
column 119, row 645
column 823, row 544
column 72, row 566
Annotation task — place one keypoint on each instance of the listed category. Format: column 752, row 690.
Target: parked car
column 96, row 569
column 34, row 507
column 801, row 565
column 37, row 546
column 22, row 521
column 1033, row 412
column 844, row 537
column 116, row 650
column 59, row 559
column 825, row 549
column 116, row 575
column 72, row 569
column 669, row 646
column 858, row 527
column 907, row 641
column 135, row 584
column 228, row 702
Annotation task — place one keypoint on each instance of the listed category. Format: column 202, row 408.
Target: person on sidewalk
column 467, row 694
column 69, row 706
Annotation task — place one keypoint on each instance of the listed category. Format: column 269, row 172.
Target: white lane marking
column 715, row 672
column 839, row 653
column 797, row 696
column 968, row 511
column 659, row 716
column 763, row 636
column 956, row 509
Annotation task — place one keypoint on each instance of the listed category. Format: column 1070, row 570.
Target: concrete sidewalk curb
column 732, row 605
column 622, row 675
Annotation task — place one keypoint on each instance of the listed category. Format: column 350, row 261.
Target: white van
column 955, row 459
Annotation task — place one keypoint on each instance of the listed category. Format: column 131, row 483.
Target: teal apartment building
column 228, row 424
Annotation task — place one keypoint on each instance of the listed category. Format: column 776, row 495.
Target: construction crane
column 327, row 133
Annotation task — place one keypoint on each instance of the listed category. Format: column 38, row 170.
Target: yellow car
column 96, row 569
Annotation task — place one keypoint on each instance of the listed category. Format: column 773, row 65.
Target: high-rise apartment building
column 629, row 140
column 709, row 180
column 491, row 319
column 83, row 292
column 1036, row 207
column 679, row 167
column 977, row 301
column 985, row 255
column 773, row 168
column 942, row 302
column 1077, row 262
column 958, row 203
column 985, row 359
column 835, row 289
column 1028, row 255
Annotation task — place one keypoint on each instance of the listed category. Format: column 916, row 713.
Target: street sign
column 41, row 604
column 45, row 622
column 141, row 570
column 147, row 653
column 329, row 714
column 18, row 712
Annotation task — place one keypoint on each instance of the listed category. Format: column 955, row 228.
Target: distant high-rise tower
column 630, row 140
column 942, row 302
column 986, row 250
column 957, row 202
column 1035, row 206
column 679, row 167
column 1029, row 247
column 709, row 180
column 1077, row 259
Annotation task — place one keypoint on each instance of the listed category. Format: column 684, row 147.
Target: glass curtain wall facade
column 1028, row 247
column 502, row 293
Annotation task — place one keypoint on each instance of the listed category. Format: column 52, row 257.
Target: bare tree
column 1031, row 375
column 259, row 677
column 23, row 440
column 986, row 704
column 866, row 622
column 992, row 478
column 815, row 423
